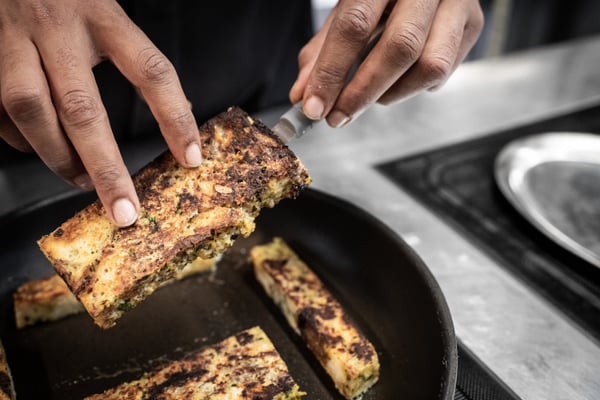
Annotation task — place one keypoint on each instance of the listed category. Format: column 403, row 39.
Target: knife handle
column 297, row 121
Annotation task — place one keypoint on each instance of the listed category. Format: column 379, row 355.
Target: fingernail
column 193, row 156
column 84, row 182
column 124, row 212
column 337, row 119
column 314, row 108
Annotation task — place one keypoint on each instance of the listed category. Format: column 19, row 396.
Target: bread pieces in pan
column 243, row 366
column 344, row 352
column 44, row 299
column 184, row 214
column 50, row 299
column 7, row 388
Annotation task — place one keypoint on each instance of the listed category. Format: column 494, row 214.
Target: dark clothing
column 228, row 52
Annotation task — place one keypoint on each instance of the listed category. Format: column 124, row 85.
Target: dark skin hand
column 420, row 43
column 50, row 102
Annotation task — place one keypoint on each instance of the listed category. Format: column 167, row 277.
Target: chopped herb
column 125, row 305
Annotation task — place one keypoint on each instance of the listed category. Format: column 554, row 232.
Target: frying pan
column 380, row 281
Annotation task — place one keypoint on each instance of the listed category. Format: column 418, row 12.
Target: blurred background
column 513, row 25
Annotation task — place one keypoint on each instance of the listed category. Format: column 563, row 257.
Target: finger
column 399, row 47
column 84, row 119
column 26, row 98
column 351, row 28
column 471, row 33
column 149, row 70
column 11, row 135
column 307, row 58
column 446, row 47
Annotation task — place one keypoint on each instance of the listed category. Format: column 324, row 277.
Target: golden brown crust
column 50, row 299
column 184, row 213
column 343, row 351
column 45, row 299
column 7, row 388
column 243, row 366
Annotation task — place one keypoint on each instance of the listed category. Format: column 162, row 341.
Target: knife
column 293, row 124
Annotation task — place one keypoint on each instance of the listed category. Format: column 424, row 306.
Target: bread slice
column 243, row 366
column 45, row 299
column 185, row 213
column 344, row 352
column 50, row 299
column 7, row 388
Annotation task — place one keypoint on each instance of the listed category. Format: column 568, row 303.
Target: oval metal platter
column 553, row 180
column 380, row 281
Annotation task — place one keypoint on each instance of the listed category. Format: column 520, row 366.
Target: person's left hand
column 422, row 42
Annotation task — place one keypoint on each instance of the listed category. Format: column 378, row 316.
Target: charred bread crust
column 242, row 366
column 184, row 214
column 50, row 299
column 45, row 299
column 7, row 388
column 312, row 311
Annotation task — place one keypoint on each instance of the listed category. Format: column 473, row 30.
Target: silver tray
column 553, row 180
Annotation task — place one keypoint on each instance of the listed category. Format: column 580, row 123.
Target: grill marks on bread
column 344, row 352
column 185, row 213
column 243, row 366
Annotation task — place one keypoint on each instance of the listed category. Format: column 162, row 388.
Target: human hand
column 50, row 102
column 422, row 42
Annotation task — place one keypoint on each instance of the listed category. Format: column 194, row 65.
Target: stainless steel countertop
column 524, row 339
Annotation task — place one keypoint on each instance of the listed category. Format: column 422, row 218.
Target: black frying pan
column 380, row 281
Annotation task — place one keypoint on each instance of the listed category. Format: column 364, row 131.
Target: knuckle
column 79, row 108
column 154, row 66
column 435, row 68
column 328, row 75
column 22, row 103
column 181, row 120
column 356, row 22
column 106, row 178
column 407, row 43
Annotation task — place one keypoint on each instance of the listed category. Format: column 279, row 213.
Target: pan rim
column 447, row 334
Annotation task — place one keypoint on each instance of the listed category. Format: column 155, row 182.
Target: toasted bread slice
column 343, row 351
column 45, row 299
column 243, row 366
column 50, row 299
column 184, row 214
column 7, row 388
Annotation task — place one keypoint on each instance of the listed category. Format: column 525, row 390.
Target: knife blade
column 293, row 124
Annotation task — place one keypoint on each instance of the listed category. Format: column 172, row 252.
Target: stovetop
column 475, row 381
column 457, row 183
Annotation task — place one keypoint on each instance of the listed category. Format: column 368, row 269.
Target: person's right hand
column 50, row 102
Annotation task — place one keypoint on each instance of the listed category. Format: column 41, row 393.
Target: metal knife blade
column 293, row 124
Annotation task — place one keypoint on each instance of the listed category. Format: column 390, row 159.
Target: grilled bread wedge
column 50, row 299
column 44, row 299
column 184, row 214
column 243, row 366
column 343, row 351
column 7, row 388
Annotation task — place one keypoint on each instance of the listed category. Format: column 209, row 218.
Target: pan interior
column 382, row 284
